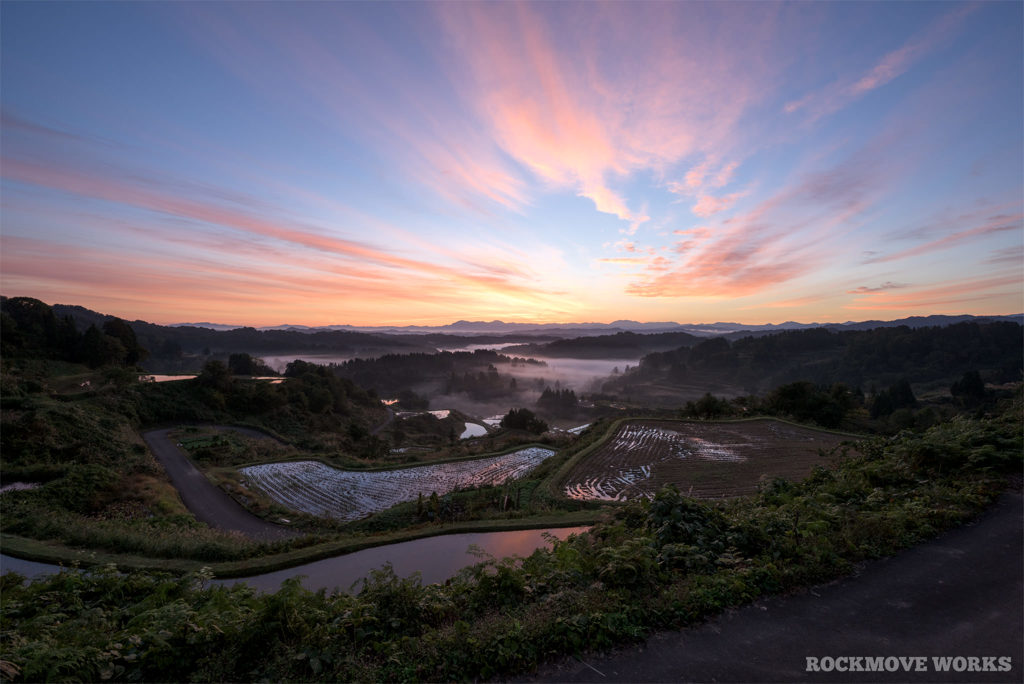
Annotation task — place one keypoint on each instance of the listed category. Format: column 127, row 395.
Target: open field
column 312, row 487
column 708, row 460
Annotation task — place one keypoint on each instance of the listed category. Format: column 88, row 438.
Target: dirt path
column 387, row 421
column 959, row 595
column 208, row 503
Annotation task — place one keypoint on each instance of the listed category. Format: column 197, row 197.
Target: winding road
column 960, row 595
column 209, row 504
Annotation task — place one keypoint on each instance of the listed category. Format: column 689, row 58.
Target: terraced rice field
column 312, row 487
column 708, row 460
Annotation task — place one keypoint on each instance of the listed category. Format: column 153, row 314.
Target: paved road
column 208, row 503
column 960, row 595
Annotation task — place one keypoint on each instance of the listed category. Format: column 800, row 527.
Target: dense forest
column 187, row 348
column 623, row 345
column 477, row 373
column 879, row 357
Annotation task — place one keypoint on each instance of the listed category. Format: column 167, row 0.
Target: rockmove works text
column 909, row 664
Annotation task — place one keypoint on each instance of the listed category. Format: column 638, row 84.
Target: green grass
column 662, row 564
column 61, row 554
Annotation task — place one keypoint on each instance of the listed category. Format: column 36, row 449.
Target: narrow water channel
column 436, row 558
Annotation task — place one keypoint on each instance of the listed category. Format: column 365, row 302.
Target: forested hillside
column 187, row 348
column 623, row 345
column 880, row 357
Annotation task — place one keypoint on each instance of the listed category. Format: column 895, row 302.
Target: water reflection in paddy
column 436, row 558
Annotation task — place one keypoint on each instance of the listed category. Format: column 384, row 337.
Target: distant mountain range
column 474, row 328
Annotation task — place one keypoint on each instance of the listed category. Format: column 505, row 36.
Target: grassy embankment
column 103, row 498
column 175, row 543
column 661, row 564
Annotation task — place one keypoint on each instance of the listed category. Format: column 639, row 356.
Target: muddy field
column 708, row 460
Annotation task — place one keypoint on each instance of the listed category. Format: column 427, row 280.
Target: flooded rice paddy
column 710, row 460
column 318, row 489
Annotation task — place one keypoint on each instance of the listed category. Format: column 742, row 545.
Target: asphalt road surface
column 208, row 503
column 959, row 596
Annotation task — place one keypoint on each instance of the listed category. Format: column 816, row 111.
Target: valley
column 685, row 493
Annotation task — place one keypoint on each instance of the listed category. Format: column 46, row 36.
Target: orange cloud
column 477, row 276
column 200, row 285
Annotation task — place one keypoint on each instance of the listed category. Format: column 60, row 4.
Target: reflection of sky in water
column 437, row 559
column 473, row 430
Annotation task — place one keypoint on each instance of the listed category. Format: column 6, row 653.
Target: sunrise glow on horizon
column 420, row 163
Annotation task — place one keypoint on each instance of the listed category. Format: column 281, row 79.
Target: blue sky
column 418, row 163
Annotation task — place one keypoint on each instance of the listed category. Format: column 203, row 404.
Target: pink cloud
column 475, row 276
column 695, row 177
column 561, row 109
column 889, row 67
column 624, row 261
column 979, row 289
column 994, row 225
column 704, row 175
column 609, row 202
column 781, row 238
column 724, row 175
column 708, row 206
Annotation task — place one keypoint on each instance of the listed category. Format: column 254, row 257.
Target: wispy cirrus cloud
column 782, row 237
column 708, row 205
column 129, row 190
column 704, row 175
column 884, row 287
column 561, row 109
column 968, row 290
column 993, row 225
column 180, row 287
column 846, row 90
column 1013, row 255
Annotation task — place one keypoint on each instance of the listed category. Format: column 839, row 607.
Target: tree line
column 855, row 357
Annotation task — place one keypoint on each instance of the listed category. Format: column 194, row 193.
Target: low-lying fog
column 580, row 375
column 279, row 363
column 575, row 374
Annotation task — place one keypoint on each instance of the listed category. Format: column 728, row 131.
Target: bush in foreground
column 660, row 564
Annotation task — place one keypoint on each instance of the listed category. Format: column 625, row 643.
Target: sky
column 419, row 163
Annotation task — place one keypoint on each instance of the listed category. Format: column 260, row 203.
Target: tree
column 709, row 406
column 523, row 419
column 970, row 386
column 215, row 375
column 244, row 364
column 121, row 331
column 558, row 401
column 410, row 401
column 98, row 349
